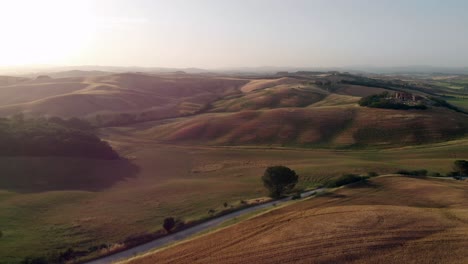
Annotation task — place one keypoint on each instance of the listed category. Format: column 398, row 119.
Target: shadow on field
column 38, row 174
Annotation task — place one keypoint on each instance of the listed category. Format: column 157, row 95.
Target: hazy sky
column 222, row 33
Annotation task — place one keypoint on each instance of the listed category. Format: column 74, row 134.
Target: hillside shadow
column 39, row 174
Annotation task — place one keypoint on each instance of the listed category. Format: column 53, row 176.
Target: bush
column 372, row 174
column 461, row 167
column 169, row 224
column 296, row 196
column 345, row 179
column 413, row 172
column 435, row 174
column 278, row 180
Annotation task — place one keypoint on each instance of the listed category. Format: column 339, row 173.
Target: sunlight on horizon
column 44, row 32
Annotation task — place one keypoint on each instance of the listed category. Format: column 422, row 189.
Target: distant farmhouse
column 407, row 97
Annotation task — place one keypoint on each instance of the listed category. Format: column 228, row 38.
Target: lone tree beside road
column 278, row 180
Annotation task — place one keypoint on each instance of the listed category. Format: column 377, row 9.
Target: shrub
column 344, row 180
column 296, row 196
column 169, row 224
column 452, row 174
column 413, row 172
column 461, row 167
column 372, row 174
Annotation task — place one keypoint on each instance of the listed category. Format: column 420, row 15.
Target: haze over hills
column 91, row 70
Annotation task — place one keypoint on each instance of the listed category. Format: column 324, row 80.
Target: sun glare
column 44, row 32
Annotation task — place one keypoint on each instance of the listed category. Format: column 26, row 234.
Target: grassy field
column 461, row 102
column 115, row 200
column 391, row 219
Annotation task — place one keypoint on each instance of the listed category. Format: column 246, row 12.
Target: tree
column 169, row 224
column 278, row 180
column 461, row 167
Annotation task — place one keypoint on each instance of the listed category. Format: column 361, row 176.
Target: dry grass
column 391, row 220
column 265, row 83
column 278, row 126
column 339, row 126
column 285, row 95
column 337, row 100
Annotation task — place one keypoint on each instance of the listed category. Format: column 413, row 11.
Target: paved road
column 192, row 230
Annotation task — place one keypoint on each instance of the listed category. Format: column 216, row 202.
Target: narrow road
column 192, row 230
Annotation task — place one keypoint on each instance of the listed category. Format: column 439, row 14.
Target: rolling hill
column 167, row 95
column 302, row 109
column 335, row 126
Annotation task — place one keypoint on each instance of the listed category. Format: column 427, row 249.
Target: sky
column 236, row 33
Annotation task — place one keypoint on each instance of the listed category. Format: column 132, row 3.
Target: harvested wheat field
column 390, row 219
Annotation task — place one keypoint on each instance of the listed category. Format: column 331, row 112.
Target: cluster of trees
column 55, row 137
column 460, row 170
column 396, row 85
column 382, row 101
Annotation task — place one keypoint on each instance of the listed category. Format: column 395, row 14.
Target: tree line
column 54, row 137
